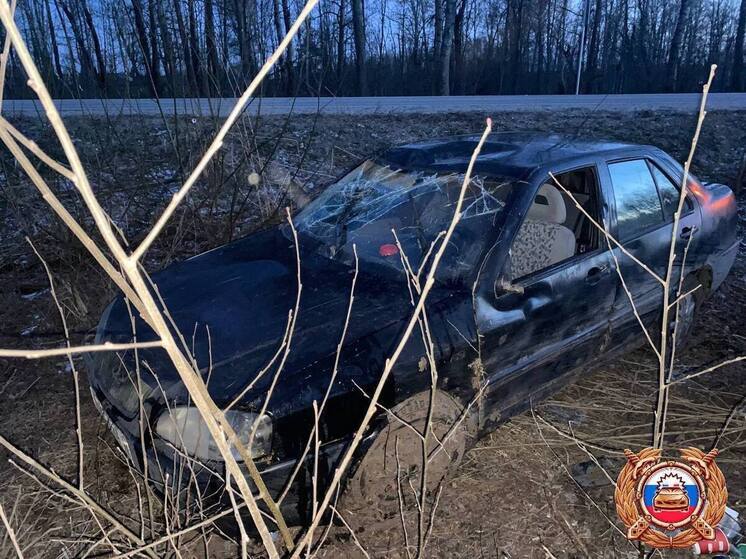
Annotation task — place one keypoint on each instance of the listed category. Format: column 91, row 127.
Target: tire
column 687, row 312
column 392, row 465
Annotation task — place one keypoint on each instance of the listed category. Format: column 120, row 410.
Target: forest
column 212, row 48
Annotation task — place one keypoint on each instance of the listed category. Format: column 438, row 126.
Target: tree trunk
column 591, row 69
column 459, row 87
column 155, row 54
column 184, row 40
column 53, row 39
column 280, row 34
column 515, row 24
column 212, row 79
column 737, row 81
column 245, row 52
column 142, row 40
column 169, row 62
column 674, row 53
column 289, row 56
column 100, row 61
column 341, row 40
column 358, row 30
column 86, row 60
column 199, row 78
column 438, row 37
column 445, row 49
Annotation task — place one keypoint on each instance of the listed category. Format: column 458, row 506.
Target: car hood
column 232, row 307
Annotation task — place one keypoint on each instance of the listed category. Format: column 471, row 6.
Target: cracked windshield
column 378, row 204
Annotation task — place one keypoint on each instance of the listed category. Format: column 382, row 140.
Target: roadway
column 486, row 104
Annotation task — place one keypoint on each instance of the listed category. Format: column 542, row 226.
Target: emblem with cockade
column 669, row 503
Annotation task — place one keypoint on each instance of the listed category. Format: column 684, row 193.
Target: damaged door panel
column 558, row 267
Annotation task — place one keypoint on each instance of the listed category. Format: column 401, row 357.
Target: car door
column 645, row 198
column 549, row 321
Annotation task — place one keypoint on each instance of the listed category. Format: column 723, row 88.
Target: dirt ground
column 527, row 490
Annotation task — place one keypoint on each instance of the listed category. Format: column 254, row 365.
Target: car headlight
column 185, row 429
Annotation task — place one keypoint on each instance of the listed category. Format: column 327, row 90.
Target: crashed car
column 527, row 295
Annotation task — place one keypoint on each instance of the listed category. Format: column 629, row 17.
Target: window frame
column 649, row 228
column 649, row 159
column 688, row 208
column 537, row 275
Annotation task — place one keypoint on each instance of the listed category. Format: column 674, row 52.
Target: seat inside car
column 543, row 239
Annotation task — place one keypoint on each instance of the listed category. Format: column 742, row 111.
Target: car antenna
column 580, row 127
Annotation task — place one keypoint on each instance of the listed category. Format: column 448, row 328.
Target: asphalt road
column 487, row 104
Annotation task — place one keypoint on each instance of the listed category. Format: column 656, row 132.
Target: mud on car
column 527, row 296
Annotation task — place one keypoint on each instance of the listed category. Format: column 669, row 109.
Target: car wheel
column 682, row 323
column 388, row 479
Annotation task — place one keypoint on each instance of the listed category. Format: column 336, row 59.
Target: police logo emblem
column 668, row 503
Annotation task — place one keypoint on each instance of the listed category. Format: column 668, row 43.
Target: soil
column 527, row 490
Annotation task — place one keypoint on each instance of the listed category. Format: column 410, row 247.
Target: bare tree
column 738, row 63
column 675, row 51
column 445, row 49
column 358, row 31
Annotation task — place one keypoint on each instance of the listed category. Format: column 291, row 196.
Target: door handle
column 686, row 232
column 595, row 274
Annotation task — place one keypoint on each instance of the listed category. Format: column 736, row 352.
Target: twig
column 73, row 368
column 333, row 377
column 350, row 530
column 213, row 418
column 708, row 370
column 11, row 533
column 585, row 493
column 90, row 504
column 74, row 350
column 34, row 148
column 602, row 229
column 661, row 407
column 5, row 56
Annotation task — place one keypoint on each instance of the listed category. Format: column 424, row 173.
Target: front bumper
column 170, row 471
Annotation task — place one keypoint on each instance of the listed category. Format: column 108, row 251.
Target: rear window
column 638, row 206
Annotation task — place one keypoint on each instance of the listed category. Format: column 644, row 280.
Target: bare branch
column 11, row 533
column 661, row 405
column 708, row 370
column 73, row 350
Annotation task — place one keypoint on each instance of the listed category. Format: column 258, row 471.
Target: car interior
column 554, row 228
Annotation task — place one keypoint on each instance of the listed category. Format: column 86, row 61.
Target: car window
column 379, row 208
column 669, row 193
column 637, row 203
column 554, row 229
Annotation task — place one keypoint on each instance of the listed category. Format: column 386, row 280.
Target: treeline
column 199, row 48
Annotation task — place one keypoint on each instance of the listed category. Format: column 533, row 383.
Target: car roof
column 507, row 154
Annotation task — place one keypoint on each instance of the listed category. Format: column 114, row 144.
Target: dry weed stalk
column 664, row 372
column 11, row 533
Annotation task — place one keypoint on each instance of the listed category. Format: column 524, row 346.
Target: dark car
column 527, row 293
